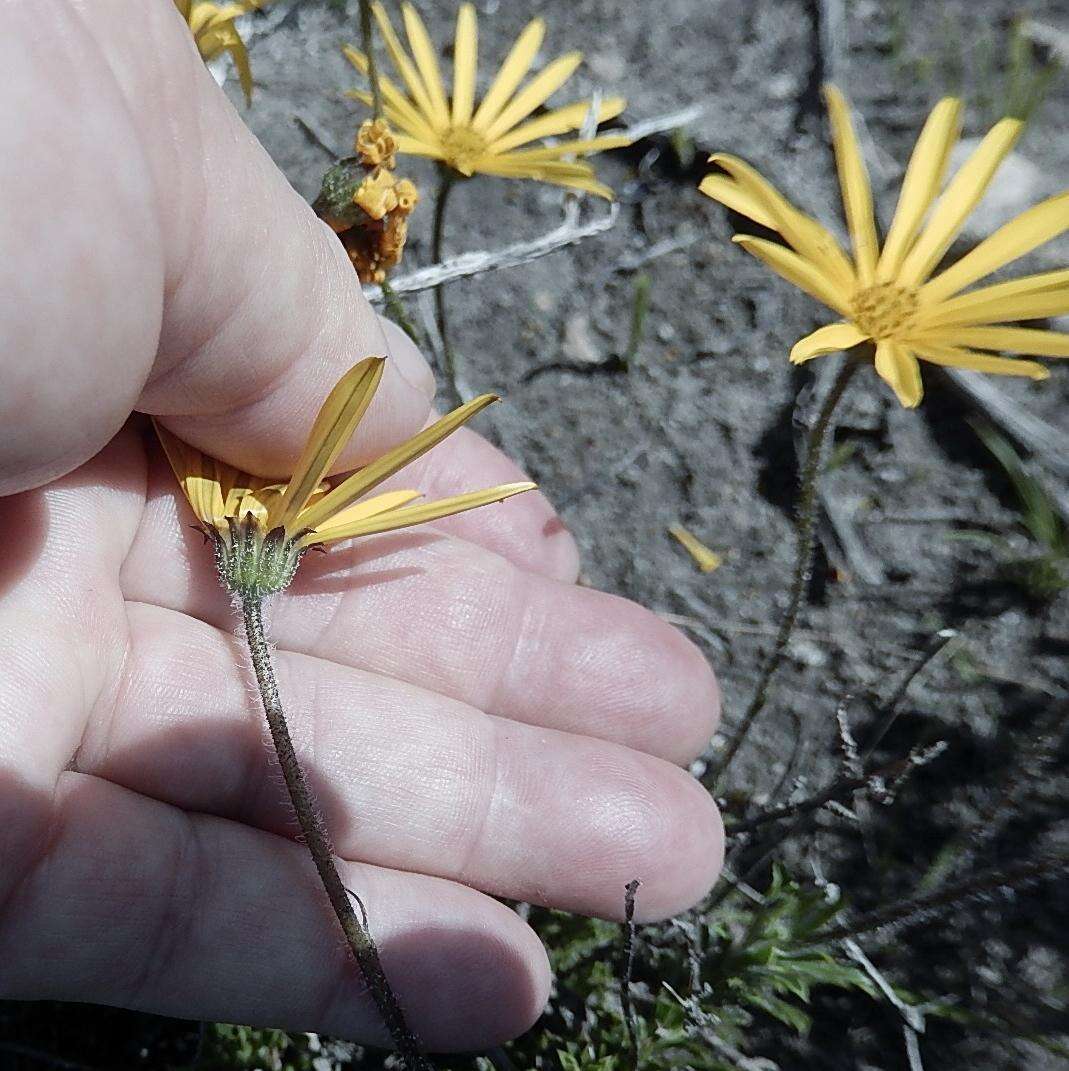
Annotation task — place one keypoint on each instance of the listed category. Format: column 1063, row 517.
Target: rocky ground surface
column 695, row 427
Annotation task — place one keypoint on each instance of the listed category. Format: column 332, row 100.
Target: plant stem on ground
column 315, row 836
column 803, row 562
column 446, row 182
column 369, row 51
column 395, row 309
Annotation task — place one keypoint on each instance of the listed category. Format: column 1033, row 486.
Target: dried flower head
column 375, row 144
column 214, row 32
column 486, row 139
column 367, row 204
column 260, row 528
column 375, row 248
column 890, row 295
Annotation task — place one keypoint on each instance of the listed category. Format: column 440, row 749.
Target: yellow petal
column 408, row 72
column 559, row 121
column 1032, row 296
column 898, row 367
column 216, row 39
column 1021, row 235
column 362, row 481
column 808, row 237
column 729, row 193
column 333, row 428
column 795, row 269
column 245, row 500
column 200, row 477
column 415, row 147
column 369, row 507
column 707, row 560
column 829, row 339
column 959, row 357
column 201, row 17
column 240, row 55
column 570, row 175
column 1013, row 339
column 405, row 114
column 427, row 62
column 854, row 182
column 961, row 196
column 568, row 182
column 537, row 91
column 578, row 147
column 924, row 175
column 515, row 163
column 513, row 70
column 227, row 12
column 465, row 63
column 430, row 511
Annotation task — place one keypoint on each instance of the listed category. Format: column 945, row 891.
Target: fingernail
column 407, row 359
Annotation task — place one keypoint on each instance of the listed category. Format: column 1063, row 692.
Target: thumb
column 156, row 259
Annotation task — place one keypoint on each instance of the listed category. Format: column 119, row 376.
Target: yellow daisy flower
column 486, row 139
column 214, row 32
column 889, row 295
column 260, row 528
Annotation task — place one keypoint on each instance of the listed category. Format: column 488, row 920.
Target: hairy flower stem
column 806, row 527
column 446, row 181
column 369, row 50
column 315, row 836
column 395, row 309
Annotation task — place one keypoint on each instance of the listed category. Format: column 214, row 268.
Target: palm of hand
column 461, row 716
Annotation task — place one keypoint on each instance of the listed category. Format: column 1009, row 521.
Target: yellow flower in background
column 889, row 295
column 213, row 30
column 260, row 528
column 486, row 139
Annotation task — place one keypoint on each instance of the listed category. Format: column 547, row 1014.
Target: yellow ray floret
column 894, row 297
column 212, row 26
column 257, row 517
column 486, row 138
column 707, row 560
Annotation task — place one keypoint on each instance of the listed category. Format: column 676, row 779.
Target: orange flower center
column 884, row 311
column 462, row 147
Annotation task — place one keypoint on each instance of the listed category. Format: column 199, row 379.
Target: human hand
column 472, row 722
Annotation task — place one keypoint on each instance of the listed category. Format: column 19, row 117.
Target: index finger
column 155, row 258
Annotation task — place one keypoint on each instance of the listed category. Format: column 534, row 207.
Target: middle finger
column 406, row 779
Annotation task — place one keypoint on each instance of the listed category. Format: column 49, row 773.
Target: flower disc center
column 462, row 147
column 884, row 311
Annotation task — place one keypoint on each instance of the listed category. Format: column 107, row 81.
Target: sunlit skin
column 473, row 723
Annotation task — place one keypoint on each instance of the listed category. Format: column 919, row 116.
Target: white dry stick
column 910, row 1015
column 658, row 124
column 509, row 256
column 912, row 1019
column 913, row 1048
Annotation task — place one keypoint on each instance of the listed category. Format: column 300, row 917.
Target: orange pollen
column 884, row 311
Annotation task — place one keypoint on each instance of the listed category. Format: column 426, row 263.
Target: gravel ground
column 697, row 426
